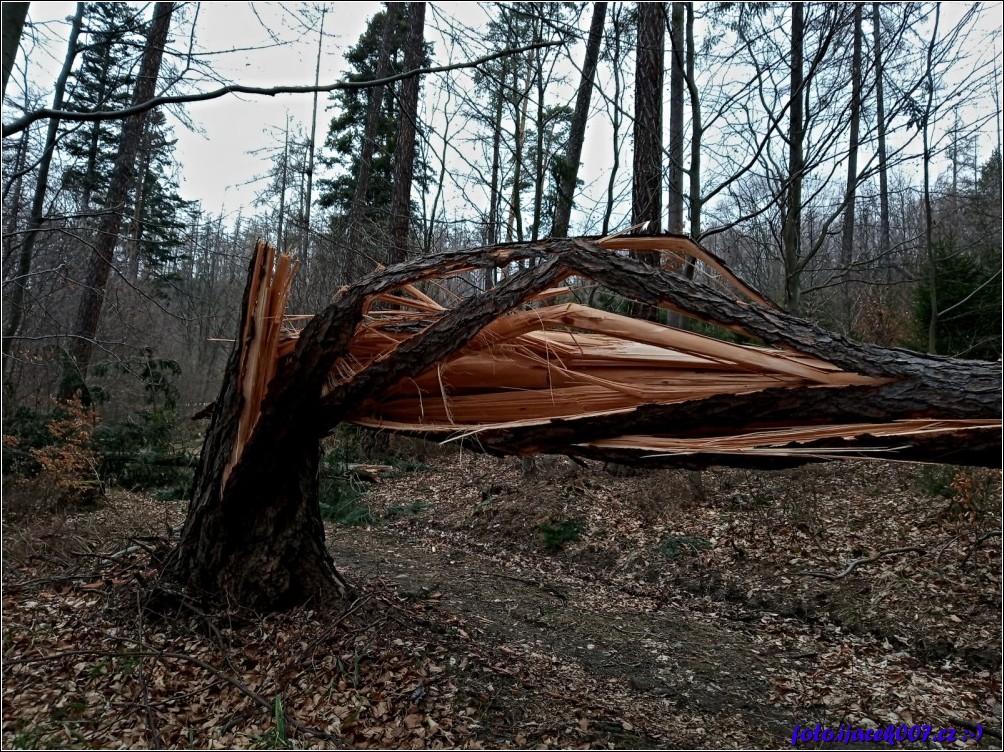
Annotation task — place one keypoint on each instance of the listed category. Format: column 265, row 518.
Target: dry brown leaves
column 682, row 617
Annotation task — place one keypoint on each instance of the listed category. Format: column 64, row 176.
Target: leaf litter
column 687, row 611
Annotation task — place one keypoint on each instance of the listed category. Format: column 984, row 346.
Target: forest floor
column 575, row 608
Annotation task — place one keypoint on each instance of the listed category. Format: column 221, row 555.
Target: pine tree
column 343, row 145
column 103, row 81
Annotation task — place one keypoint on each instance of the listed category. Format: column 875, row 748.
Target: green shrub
column 673, row 546
column 137, row 453
column 557, row 534
column 339, row 496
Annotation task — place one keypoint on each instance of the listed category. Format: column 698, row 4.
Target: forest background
column 843, row 158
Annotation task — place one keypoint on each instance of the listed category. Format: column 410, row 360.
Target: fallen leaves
column 469, row 634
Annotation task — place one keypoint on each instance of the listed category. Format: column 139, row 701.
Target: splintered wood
column 557, row 360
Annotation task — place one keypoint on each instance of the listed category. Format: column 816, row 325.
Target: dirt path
column 568, row 637
column 617, row 666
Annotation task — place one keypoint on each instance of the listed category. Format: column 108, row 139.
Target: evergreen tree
column 345, row 133
column 104, row 81
column 966, row 261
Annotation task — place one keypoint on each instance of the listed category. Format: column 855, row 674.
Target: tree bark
column 696, row 136
column 847, row 233
column 792, row 226
column 577, row 133
column 308, row 202
column 676, row 120
column 404, row 157
column 14, row 15
column 646, row 193
column 358, row 207
column 616, row 116
column 102, row 256
column 885, row 232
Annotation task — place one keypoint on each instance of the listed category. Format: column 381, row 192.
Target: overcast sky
column 228, row 150
column 276, row 43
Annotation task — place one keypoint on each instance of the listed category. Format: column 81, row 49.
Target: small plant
column 406, row 510
column 68, row 460
column 673, row 546
column 971, row 492
column 277, row 737
column 936, row 480
column 345, row 511
column 339, row 496
column 557, row 534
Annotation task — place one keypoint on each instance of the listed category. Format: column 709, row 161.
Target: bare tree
column 570, row 165
column 847, row 232
column 376, row 97
column 646, row 203
column 792, row 233
column 102, row 256
column 14, row 15
column 21, row 280
column 676, row 78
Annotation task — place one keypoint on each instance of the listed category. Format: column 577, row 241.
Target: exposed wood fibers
column 553, row 359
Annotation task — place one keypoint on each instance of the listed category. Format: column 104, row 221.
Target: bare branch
column 23, row 122
column 868, row 560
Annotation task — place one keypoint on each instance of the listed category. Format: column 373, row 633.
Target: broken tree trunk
column 522, row 368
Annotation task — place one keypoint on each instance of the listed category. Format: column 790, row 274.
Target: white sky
column 223, row 159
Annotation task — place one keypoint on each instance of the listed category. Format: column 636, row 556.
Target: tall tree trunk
column 539, row 160
column 847, row 234
column 135, row 232
column 515, row 219
column 792, row 228
column 616, row 117
column 358, row 207
column 696, row 138
column 404, row 155
column 281, row 234
column 646, row 193
column 309, row 200
column 12, row 24
column 495, row 191
column 102, row 255
column 569, row 174
column 676, row 79
column 16, row 302
column 932, row 259
column 14, row 186
column 885, row 232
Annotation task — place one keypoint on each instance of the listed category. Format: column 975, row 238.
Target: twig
column 937, row 559
column 158, row 740
column 858, row 562
column 970, row 726
column 977, row 543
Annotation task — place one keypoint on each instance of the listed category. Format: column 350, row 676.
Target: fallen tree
column 522, row 369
